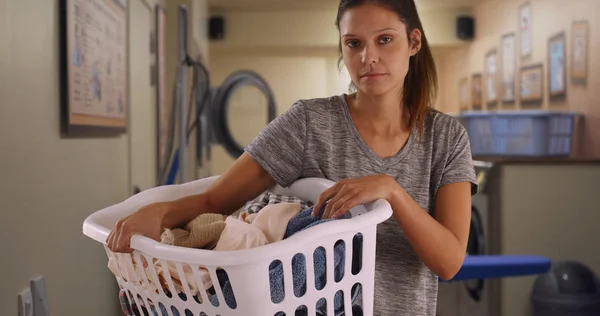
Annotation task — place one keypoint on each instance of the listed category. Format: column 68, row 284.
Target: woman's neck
column 382, row 114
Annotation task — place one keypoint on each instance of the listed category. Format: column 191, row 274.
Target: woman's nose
column 370, row 55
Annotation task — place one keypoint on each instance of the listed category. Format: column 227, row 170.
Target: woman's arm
column 439, row 242
column 243, row 181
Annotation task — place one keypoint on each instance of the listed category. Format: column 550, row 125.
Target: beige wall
column 315, row 28
column 291, row 75
column 296, row 52
column 558, row 220
column 495, row 18
column 142, row 119
column 50, row 184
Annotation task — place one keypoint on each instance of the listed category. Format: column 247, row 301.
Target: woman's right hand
column 147, row 222
column 244, row 180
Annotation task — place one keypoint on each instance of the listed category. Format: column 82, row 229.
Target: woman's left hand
column 349, row 193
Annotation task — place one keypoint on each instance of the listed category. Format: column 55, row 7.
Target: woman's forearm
column 180, row 212
column 245, row 180
column 436, row 246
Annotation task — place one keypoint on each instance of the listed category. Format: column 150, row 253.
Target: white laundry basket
column 247, row 271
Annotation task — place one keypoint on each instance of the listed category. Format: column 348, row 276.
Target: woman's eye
column 385, row 40
column 353, row 43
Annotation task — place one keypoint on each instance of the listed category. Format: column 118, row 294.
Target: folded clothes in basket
column 227, row 234
column 268, row 198
column 302, row 221
column 201, row 232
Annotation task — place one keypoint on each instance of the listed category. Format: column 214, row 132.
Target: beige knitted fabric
column 202, row 232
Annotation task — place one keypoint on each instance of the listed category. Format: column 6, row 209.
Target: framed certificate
column 579, row 54
column 532, row 85
column 94, row 66
column 491, row 79
column 557, row 68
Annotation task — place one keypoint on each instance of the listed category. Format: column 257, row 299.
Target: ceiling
column 321, row 4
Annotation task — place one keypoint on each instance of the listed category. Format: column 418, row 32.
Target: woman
column 382, row 142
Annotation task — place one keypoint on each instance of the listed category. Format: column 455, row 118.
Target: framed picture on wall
column 491, row 79
column 463, row 88
column 525, row 30
column 557, row 70
column 532, row 85
column 477, row 91
column 93, row 67
column 508, row 68
column 579, row 54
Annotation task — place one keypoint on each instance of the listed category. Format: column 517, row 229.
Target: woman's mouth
column 372, row 76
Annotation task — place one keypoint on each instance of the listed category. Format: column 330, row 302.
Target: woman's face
column 375, row 48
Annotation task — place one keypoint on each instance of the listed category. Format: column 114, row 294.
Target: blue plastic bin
column 520, row 133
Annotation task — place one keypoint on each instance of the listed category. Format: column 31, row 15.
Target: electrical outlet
column 40, row 297
column 25, row 303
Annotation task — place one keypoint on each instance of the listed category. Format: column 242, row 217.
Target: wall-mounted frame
column 163, row 112
column 463, row 88
column 491, row 79
column 525, row 31
column 477, row 92
column 579, row 53
column 557, row 68
column 94, row 68
column 532, row 85
column 509, row 65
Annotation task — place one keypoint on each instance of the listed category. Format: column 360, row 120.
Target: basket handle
column 307, row 189
column 98, row 225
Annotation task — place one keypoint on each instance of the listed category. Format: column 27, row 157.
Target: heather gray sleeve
column 459, row 165
column 279, row 147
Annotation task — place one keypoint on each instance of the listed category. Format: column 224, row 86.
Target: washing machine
column 243, row 94
column 473, row 297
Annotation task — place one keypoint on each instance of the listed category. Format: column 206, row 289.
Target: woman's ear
column 415, row 41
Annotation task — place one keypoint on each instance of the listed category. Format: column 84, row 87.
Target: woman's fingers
column 344, row 208
column 344, row 194
column 350, row 193
column 118, row 239
column 335, row 208
column 324, row 197
column 122, row 244
column 339, row 193
column 111, row 240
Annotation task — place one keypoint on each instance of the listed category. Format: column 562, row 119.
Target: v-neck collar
column 361, row 142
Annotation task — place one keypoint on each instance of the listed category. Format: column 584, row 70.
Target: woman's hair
column 420, row 84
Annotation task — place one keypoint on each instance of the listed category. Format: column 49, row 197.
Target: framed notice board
column 94, row 67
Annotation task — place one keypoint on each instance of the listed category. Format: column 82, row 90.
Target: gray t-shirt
column 317, row 138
